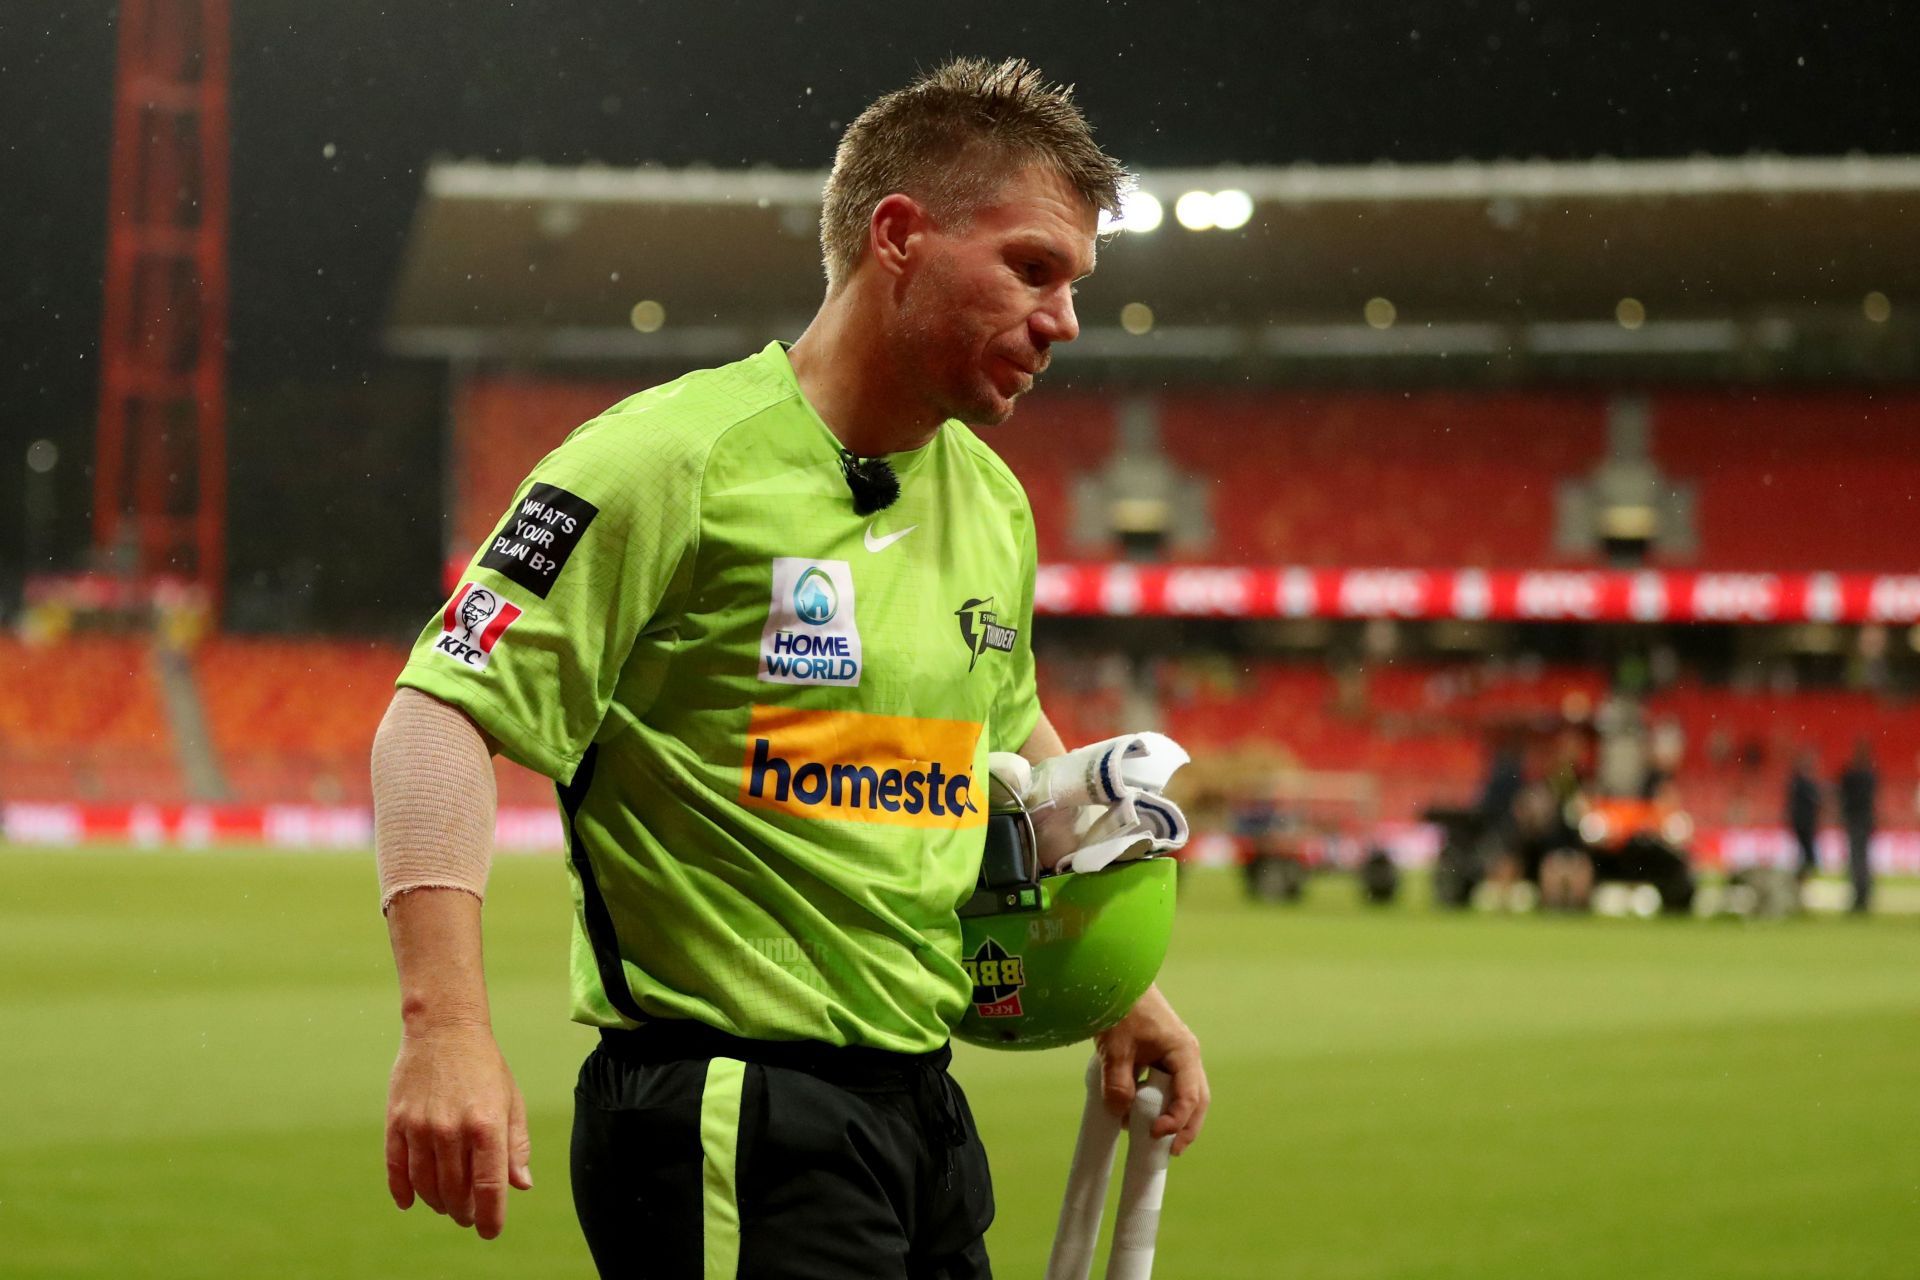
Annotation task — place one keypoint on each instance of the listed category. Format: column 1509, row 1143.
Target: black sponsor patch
column 542, row 532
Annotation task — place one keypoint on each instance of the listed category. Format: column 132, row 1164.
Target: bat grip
column 1079, row 1229
column 1136, row 1224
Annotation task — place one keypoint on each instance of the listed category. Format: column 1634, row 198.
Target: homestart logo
column 475, row 620
column 811, row 636
column 981, row 630
column 892, row 770
column 997, row 976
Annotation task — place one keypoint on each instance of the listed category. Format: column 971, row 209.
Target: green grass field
column 194, row 1048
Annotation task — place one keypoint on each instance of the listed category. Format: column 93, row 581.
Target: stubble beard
column 956, row 389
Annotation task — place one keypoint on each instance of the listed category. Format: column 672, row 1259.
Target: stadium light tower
column 160, row 465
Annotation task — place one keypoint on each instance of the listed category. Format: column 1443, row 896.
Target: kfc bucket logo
column 473, row 623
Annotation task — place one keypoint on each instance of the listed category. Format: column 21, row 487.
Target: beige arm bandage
column 433, row 799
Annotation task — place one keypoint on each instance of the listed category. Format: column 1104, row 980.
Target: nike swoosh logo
column 881, row 544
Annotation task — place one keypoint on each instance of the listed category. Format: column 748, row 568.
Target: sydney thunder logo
column 980, row 630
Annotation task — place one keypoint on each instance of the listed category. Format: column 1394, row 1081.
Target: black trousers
column 1860, row 866
column 1807, row 838
column 699, row 1156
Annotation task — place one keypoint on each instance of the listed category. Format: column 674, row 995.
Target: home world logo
column 811, row 636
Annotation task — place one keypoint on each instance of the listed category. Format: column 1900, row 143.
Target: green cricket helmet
column 1055, row 959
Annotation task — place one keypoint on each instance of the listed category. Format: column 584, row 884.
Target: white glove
column 1106, row 772
column 1120, row 782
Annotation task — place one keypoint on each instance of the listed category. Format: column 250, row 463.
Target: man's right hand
column 456, row 1126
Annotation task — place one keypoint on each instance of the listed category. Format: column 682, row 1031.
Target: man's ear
column 897, row 224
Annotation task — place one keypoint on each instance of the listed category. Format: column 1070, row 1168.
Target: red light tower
column 160, row 466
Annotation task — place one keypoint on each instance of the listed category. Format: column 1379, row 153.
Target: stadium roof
column 1756, row 267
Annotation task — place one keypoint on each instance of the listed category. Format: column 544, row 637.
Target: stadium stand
column 1358, row 479
column 1054, row 438
column 1823, row 481
column 1820, row 481
column 293, row 720
column 84, row 719
column 1422, row 729
column 1350, row 478
column 1741, row 744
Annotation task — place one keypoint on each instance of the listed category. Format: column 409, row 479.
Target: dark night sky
column 315, row 238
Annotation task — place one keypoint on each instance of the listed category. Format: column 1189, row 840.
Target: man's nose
column 1056, row 322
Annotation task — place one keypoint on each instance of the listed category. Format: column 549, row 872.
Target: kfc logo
column 473, row 623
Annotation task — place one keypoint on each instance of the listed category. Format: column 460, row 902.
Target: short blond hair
column 948, row 140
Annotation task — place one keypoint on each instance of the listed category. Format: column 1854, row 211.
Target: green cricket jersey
column 769, row 717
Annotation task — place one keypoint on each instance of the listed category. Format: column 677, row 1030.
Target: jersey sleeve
column 1016, row 708
column 593, row 552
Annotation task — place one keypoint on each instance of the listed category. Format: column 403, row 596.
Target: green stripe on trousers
column 719, row 1148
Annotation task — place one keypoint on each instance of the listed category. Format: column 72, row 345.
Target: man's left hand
column 1152, row 1035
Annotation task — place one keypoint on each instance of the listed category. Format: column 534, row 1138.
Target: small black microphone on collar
column 872, row 481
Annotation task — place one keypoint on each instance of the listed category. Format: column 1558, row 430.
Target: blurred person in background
column 1557, row 861
column 1859, row 792
column 1495, row 811
column 1666, row 750
column 1803, row 811
column 1498, row 792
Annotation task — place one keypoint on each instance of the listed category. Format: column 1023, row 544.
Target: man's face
column 981, row 311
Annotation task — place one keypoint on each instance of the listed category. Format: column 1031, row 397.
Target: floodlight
column 1232, row 209
column 1194, row 211
column 1141, row 211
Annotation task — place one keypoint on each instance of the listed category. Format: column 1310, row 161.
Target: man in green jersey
column 768, row 707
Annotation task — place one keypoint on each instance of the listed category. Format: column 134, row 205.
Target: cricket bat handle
column 1086, row 1198
column 1136, row 1223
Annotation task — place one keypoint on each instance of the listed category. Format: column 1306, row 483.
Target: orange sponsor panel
column 854, row 767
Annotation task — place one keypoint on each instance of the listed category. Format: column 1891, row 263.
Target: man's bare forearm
column 437, row 953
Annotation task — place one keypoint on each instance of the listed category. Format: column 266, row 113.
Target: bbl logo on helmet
column 981, row 631
column 997, row 978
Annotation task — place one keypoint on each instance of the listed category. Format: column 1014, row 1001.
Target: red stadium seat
column 293, row 720
column 84, row 719
column 1797, row 481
